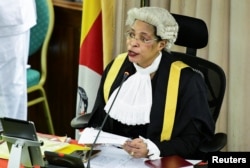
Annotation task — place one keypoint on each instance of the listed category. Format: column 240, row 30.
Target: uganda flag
column 96, row 47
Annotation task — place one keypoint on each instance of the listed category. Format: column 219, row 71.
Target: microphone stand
column 125, row 76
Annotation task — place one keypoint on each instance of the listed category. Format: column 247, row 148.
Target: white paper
column 4, row 151
column 193, row 162
column 89, row 134
column 48, row 145
column 51, row 145
column 113, row 157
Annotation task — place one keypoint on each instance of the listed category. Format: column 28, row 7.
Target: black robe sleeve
column 193, row 121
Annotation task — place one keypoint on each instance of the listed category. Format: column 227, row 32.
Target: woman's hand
column 136, row 148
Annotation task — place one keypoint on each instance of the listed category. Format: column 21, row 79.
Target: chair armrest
column 216, row 144
column 81, row 121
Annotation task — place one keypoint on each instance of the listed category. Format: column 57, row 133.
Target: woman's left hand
column 136, row 148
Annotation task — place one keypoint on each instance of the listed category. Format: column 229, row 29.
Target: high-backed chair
column 215, row 80
column 193, row 35
column 39, row 41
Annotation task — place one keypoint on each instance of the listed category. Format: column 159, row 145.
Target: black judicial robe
column 193, row 121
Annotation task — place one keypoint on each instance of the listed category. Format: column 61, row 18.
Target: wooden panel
column 63, row 56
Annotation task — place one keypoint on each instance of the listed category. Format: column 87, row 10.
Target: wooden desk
column 170, row 162
column 63, row 61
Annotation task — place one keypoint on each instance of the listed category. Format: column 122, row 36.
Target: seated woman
column 162, row 105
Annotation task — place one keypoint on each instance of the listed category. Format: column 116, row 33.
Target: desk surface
column 4, row 163
column 113, row 156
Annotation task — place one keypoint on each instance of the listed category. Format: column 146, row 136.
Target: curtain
column 238, row 76
column 228, row 26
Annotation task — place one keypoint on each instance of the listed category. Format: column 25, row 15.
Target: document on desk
column 110, row 155
column 114, row 157
column 89, row 134
column 48, row 145
column 51, row 145
column 4, row 151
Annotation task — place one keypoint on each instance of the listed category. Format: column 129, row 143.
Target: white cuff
column 153, row 150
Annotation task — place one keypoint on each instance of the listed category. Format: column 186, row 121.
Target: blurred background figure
column 16, row 19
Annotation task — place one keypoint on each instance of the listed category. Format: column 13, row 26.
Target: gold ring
column 132, row 153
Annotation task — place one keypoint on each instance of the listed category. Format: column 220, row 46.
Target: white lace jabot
column 133, row 103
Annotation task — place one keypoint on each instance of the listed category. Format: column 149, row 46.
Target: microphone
column 125, row 76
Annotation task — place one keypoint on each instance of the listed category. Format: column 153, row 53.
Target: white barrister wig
column 166, row 26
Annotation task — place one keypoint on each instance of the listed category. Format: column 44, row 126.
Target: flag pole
column 145, row 3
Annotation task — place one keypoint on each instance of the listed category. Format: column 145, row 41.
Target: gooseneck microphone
column 125, row 76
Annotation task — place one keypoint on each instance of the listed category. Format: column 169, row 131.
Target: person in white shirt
column 17, row 17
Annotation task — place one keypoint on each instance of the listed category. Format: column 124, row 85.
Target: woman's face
column 142, row 44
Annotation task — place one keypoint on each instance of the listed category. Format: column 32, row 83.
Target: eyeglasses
column 131, row 35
